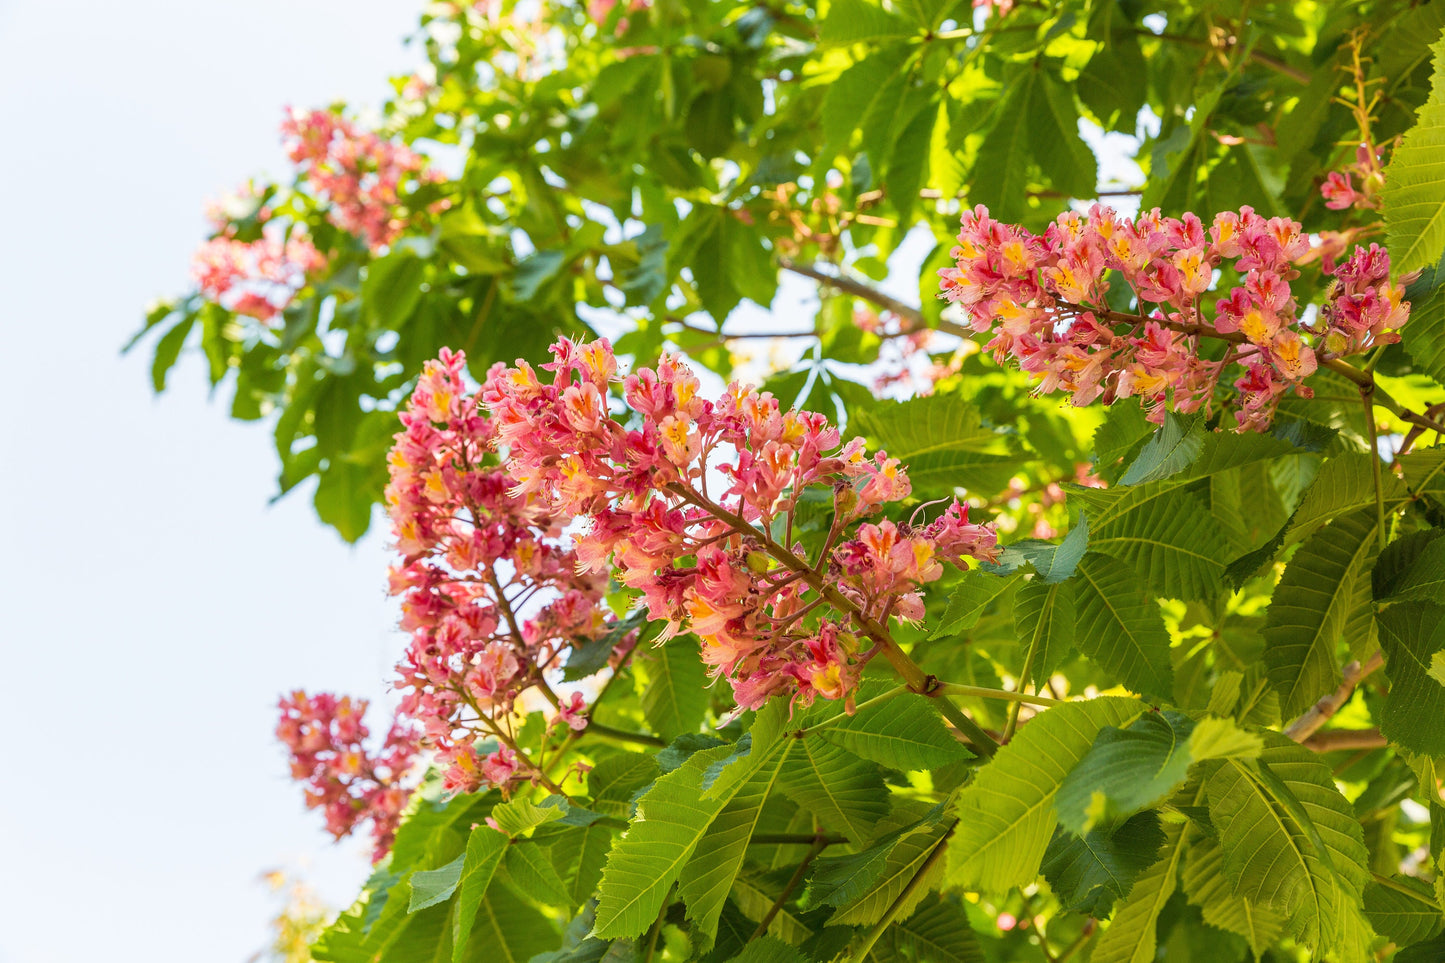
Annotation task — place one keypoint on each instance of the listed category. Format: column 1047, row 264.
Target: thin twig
column 767, row 920
column 1335, row 740
column 1321, row 712
column 897, row 905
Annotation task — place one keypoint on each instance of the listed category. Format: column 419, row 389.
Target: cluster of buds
column 1339, row 191
column 326, row 737
column 693, row 507
column 1044, row 299
column 491, row 592
column 358, row 174
column 256, row 278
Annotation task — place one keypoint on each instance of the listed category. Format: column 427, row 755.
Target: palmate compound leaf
column 1166, row 535
column 708, row 876
column 672, row 818
column 845, row 794
column 1138, row 767
column 1131, row 936
column 937, row 932
column 1006, row 815
column 944, row 443
column 485, row 849
column 915, row 854
column 1312, row 607
column 1120, row 627
column 1207, row 887
column 969, row 600
column 675, row 698
column 1126, row 770
column 1272, row 817
column 1045, row 617
column 900, row 731
column 1414, row 193
column 1088, row 873
column 1411, row 635
column 1403, row 908
column 1173, row 448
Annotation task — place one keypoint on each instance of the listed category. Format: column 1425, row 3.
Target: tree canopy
column 1077, row 598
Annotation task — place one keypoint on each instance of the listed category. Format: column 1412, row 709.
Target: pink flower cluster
column 1044, row 300
column 256, row 278
column 1339, row 190
column 679, row 504
column 1364, row 309
column 358, row 173
column 326, row 737
column 491, row 593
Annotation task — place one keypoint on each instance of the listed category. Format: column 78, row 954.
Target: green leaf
column 1222, row 739
column 754, row 900
column 615, row 780
column 392, row 288
column 1001, row 169
column 1211, row 890
column 942, row 440
column 1422, row 578
column 1088, row 873
column 1006, row 815
column 1120, row 627
column 1164, row 533
column 675, row 698
column 1052, row 563
column 1131, row 937
column 1124, row 430
column 1424, row 336
column 844, row 793
column 433, row 886
column 1404, row 909
column 768, row 950
column 903, row 733
column 672, row 818
column 578, row 855
column 969, row 601
column 708, row 876
column 1125, row 771
column 1412, row 635
column 1345, row 484
column 344, row 497
column 850, row 98
column 1044, row 617
column 1173, row 448
column 521, row 815
column 1312, row 605
column 1053, row 124
column 1414, row 194
column 912, row 855
column 507, row 930
column 937, row 932
column 1271, row 854
column 858, row 21
column 168, row 349
column 485, row 848
column 530, row 868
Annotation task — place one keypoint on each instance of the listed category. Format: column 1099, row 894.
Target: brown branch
column 1338, row 739
column 858, row 289
column 1321, row 712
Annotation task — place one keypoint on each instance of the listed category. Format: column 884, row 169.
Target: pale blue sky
column 153, row 605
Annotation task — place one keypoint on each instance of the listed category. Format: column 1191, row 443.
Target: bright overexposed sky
column 152, row 606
